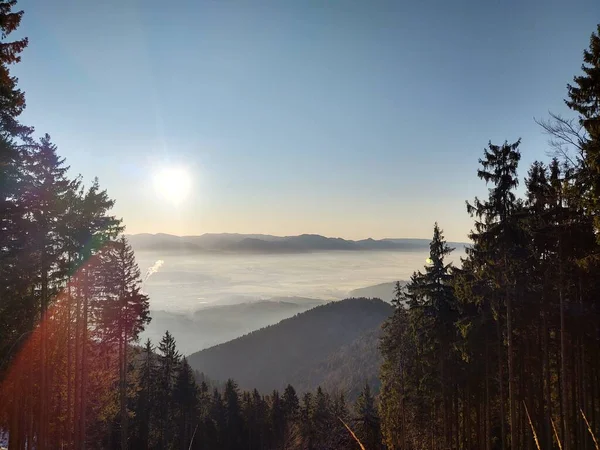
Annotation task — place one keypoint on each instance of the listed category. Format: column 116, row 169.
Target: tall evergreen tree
column 233, row 417
column 366, row 419
column 496, row 242
column 123, row 311
column 145, row 399
column 185, row 403
column 584, row 98
column 169, row 361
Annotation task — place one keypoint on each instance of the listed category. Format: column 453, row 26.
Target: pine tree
column 145, row 400
column 291, row 410
column 584, row 98
column 306, row 424
column 366, row 419
column 217, row 433
column 398, row 353
column 494, row 245
column 123, row 310
column 341, row 438
column 322, row 419
column 419, row 343
column 169, row 361
column 185, row 404
column 233, row 419
column 44, row 194
column 291, row 404
column 278, row 419
column 12, row 104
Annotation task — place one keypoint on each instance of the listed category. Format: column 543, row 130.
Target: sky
column 344, row 118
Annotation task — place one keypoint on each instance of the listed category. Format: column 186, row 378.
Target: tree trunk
column 501, row 387
column 563, row 353
column 547, row 383
column 84, row 374
column 41, row 443
column 77, row 404
column 123, row 377
column 486, row 434
column 68, row 422
column 511, row 375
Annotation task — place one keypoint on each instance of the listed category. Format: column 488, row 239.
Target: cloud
column 154, row 268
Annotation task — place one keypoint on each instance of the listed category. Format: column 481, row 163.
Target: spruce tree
column 233, row 418
column 218, row 415
column 145, row 399
column 169, row 361
column 306, row 424
column 366, row 419
column 122, row 309
column 291, row 404
column 185, row 405
column 277, row 418
column 584, row 98
column 496, row 243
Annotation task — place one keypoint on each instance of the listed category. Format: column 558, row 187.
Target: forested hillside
column 345, row 369
column 217, row 324
column 178, row 408
column 285, row 353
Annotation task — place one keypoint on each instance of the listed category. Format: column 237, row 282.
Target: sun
column 172, row 184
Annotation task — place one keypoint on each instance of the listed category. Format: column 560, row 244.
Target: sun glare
column 172, row 184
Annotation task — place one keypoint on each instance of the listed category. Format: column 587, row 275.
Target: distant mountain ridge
column 333, row 345
column 262, row 243
column 384, row 291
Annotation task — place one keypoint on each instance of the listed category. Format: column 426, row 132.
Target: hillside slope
column 346, row 369
column 300, row 349
column 214, row 325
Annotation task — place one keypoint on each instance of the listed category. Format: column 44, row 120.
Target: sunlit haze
column 172, row 184
column 350, row 119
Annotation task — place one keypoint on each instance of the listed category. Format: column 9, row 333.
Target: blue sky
column 344, row 118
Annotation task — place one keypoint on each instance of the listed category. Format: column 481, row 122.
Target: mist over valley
column 207, row 298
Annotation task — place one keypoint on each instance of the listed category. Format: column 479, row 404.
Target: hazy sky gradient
column 344, row 118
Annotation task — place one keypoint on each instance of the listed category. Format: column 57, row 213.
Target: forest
column 320, row 338
column 502, row 352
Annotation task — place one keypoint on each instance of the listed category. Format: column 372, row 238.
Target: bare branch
column 567, row 136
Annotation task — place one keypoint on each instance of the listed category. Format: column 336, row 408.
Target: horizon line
column 283, row 236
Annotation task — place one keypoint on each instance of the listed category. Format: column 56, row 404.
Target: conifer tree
column 185, row 404
column 233, row 419
column 122, row 309
column 218, row 415
column 496, row 242
column 277, row 418
column 169, row 361
column 584, row 98
column 145, row 399
column 291, row 404
column 306, row 425
column 366, row 419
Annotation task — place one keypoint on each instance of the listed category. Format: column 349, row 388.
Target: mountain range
column 332, row 345
column 263, row 243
